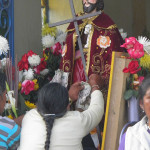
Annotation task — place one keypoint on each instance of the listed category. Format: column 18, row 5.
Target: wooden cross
column 75, row 19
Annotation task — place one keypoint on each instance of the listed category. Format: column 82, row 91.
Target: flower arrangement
column 11, row 79
column 31, row 77
column 139, row 67
column 35, row 72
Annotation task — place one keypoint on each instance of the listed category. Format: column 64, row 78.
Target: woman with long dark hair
column 52, row 127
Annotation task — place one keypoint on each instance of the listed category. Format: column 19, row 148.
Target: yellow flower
column 135, row 76
column 145, row 61
column 19, row 86
column 10, row 116
column 45, row 56
column 36, row 85
column 46, row 30
column 30, row 105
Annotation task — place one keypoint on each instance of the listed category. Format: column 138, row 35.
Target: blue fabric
column 9, row 136
column 122, row 144
column 3, row 144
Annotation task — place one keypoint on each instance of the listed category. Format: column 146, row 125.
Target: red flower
column 57, row 50
column 30, row 53
column 23, row 64
column 41, row 66
column 27, row 87
column 133, row 67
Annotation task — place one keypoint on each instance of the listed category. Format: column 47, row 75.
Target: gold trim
column 108, row 28
column 81, row 26
column 65, row 67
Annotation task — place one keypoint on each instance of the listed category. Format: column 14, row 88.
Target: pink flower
column 137, row 51
column 129, row 42
column 141, row 78
column 56, row 49
column 27, row 87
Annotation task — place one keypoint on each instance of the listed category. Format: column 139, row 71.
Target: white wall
column 27, row 26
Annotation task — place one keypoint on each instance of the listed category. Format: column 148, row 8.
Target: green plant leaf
column 22, row 108
column 128, row 94
column 135, row 93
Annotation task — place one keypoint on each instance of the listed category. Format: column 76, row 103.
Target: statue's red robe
column 98, row 59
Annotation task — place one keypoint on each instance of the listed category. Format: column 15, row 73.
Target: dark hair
column 2, row 82
column 52, row 103
column 100, row 5
column 144, row 87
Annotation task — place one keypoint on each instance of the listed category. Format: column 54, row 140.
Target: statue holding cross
column 99, row 36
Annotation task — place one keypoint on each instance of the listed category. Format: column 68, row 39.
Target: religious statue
column 100, row 36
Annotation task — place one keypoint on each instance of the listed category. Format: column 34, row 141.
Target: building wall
column 27, row 26
column 121, row 13
column 148, row 14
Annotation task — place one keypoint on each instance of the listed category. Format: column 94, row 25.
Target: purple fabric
column 122, row 144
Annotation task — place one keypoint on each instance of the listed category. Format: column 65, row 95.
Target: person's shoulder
column 7, row 122
column 32, row 114
column 104, row 21
column 138, row 126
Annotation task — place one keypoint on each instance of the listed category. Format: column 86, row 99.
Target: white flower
column 11, row 98
column 3, row 62
column 61, row 38
column 34, row 60
column 4, row 47
column 28, row 74
column 145, row 42
column 7, row 106
column 48, row 41
column 123, row 34
column 44, row 72
column 59, row 32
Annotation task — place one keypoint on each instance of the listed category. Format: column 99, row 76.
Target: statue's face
column 89, row 5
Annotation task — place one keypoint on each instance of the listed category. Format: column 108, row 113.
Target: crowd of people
column 52, row 125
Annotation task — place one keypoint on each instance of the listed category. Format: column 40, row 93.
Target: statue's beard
column 90, row 8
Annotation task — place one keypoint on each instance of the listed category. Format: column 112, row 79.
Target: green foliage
column 53, row 63
column 129, row 93
column 22, row 108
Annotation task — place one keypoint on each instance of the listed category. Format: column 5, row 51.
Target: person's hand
column 74, row 90
column 94, row 80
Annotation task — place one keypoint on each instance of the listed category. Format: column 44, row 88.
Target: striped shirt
column 9, row 134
